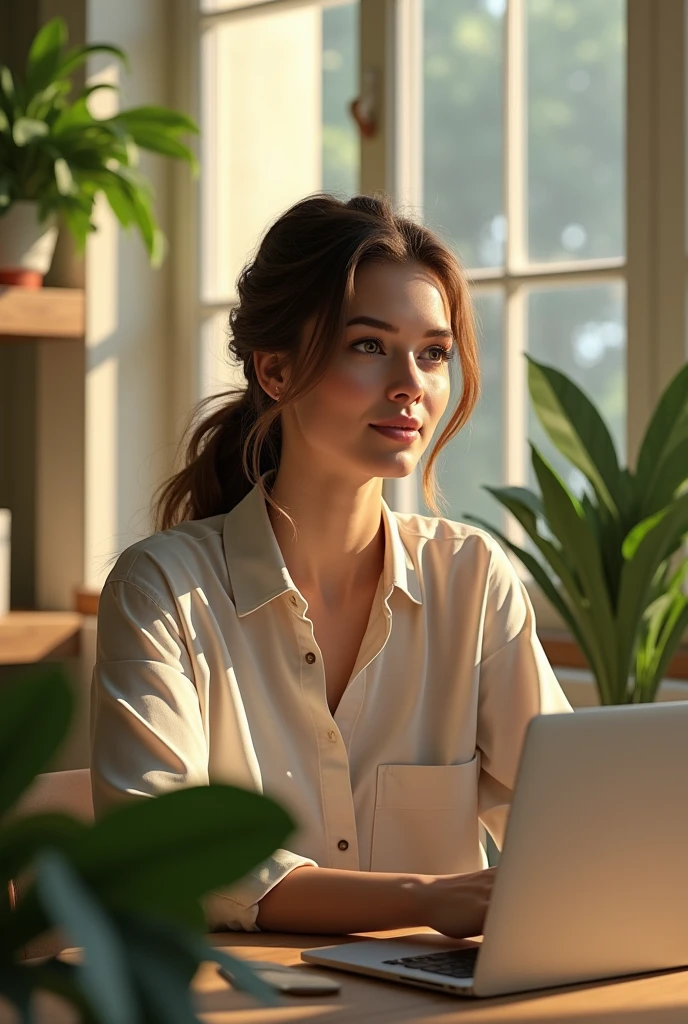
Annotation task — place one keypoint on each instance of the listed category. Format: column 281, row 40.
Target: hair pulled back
column 304, row 271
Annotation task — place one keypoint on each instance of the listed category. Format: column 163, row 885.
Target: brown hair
column 304, row 270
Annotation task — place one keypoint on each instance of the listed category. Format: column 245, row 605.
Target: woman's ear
column 270, row 373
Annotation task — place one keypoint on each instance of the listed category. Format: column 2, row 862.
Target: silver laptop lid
column 592, row 881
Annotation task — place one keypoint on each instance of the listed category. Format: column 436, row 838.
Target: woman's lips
column 398, row 433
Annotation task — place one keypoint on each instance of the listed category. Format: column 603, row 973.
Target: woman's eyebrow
column 382, row 325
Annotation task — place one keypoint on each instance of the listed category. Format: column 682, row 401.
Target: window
column 275, row 83
column 512, row 127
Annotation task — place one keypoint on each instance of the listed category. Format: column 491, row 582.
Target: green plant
column 612, row 562
column 53, row 151
column 126, row 888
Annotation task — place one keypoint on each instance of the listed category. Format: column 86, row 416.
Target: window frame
column 655, row 269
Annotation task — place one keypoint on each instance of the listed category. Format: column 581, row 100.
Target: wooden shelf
column 28, row 637
column 28, row 313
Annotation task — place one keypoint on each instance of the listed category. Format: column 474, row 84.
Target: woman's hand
column 456, row 904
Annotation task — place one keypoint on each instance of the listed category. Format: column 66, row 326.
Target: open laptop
column 592, row 880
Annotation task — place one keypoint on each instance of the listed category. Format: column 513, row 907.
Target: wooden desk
column 28, row 637
column 651, row 999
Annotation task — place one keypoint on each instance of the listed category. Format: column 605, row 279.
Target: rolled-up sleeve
column 147, row 731
column 516, row 683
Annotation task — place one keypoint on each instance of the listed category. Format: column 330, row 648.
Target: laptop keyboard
column 454, row 963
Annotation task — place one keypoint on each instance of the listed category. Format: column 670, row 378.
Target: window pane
column 462, row 126
column 581, row 331
column 217, row 371
column 341, row 150
column 275, row 89
column 475, row 458
column 576, row 139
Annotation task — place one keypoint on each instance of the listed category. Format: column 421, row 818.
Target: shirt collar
column 256, row 567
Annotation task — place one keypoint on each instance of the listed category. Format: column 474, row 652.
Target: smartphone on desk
column 288, row 979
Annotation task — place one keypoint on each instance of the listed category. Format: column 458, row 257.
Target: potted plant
column 55, row 157
column 126, row 888
column 612, row 563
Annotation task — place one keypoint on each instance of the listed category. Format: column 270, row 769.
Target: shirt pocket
column 426, row 819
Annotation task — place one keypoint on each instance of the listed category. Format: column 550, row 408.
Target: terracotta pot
column 26, row 245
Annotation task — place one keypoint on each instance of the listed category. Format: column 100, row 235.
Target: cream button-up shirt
column 208, row 670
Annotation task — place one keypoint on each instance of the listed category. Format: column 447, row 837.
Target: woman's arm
column 330, row 901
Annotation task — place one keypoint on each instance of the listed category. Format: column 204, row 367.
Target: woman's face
column 375, row 411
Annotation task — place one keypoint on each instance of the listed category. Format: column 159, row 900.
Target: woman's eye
column 438, row 353
column 370, row 346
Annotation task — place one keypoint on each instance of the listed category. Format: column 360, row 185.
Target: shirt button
column 332, row 735
column 343, row 845
column 310, row 657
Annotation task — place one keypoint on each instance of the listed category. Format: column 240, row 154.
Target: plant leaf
column 645, row 548
column 163, row 966
column 7, row 90
column 181, row 844
column 672, row 634
column 26, row 129
column 157, row 118
column 104, row 972
column 16, row 985
column 243, row 978
column 63, row 177
column 566, row 520
column 668, row 427
column 21, row 840
column 156, row 141
column 35, row 712
column 79, row 54
column 44, row 55
column 577, row 430
column 573, row 613
column 667, row 479
column 160, row 855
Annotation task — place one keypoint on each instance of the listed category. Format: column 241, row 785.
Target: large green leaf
column 566, row 520
column 665, row 621
column 77, row 56
column 157, row 141
column 181, row 844
column 160, row 856
column 668, row 478
column 26, row 130
column 577, row 430
column 7, row 90
column 104, row 971
column 163, row 967
column 668, row 428
column 23, row 838
column 19, row 981
column 575, row 613
column 45, row 55
column 670, row 638
column 35, row 711
column 157, row 118
column 645, row 548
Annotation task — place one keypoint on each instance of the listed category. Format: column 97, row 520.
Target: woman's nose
column 406, row 383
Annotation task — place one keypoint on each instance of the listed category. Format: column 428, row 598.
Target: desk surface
column 651, row 999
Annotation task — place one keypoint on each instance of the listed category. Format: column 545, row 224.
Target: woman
column 285, row 631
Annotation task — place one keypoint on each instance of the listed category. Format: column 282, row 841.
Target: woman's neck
column 339, row 541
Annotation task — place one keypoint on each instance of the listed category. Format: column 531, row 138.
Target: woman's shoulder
column 449, row 546
column 443, row 532
column 173, row 557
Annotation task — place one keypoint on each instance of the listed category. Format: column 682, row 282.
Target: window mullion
column 670, row 192
column 515, row 164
